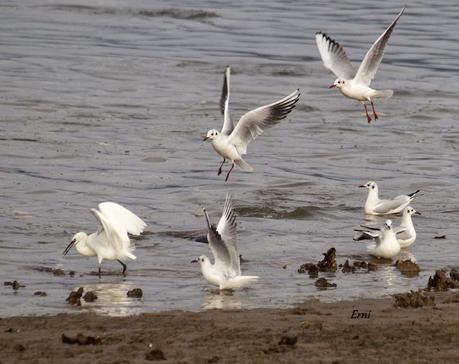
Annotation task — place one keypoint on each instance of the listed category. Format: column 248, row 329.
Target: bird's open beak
column 417, row 213
column 72, row 243
column 332, row 86
column 204, row 137
column 362, row 186
column 194, row 261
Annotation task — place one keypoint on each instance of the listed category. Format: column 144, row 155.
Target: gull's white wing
column 401, row 232
column 334, row 57
column 227, row 229
column 228, row 125
column 218, row 247
column 253, row 123
column 386, row 206
column 369, row 66
column 116, row 235
column 122, row 217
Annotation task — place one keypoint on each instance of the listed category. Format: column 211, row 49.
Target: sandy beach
column 314, row 332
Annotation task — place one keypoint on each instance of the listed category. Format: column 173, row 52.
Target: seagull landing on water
column 231, row 142
column 111, row 240
column 386, row 244
column 405, row 233
column 226, row 270
column 356, row 84
column 375, row 206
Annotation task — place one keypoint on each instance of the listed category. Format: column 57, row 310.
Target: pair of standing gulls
column 388, row 240
column 231, row 142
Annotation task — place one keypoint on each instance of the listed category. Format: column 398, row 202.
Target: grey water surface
column 106, row 101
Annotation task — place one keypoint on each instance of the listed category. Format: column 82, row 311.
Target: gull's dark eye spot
column 372, row 187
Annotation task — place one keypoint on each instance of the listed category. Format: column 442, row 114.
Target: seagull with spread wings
column 231, row 142
column 356, row 84
column 226, row 270
column 111, row 241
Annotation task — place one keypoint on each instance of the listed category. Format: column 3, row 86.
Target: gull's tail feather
column 413, row 194
column 242, row 164
column 384, row 93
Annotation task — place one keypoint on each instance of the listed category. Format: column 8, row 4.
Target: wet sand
column 314, row 331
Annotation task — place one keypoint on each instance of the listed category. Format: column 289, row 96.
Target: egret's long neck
column 83, row 248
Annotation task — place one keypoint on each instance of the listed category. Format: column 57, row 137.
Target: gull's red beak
column 362, row 186
column 332, row 86
column 204, row 137
column 417, row 213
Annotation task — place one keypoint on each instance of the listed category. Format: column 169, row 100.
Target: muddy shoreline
column 314, row 331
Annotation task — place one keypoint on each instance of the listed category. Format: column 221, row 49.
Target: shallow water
column 107, row 102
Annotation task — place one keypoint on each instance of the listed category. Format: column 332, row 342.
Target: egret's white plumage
column 226, row 270
column 356, row 84
column 375, row 206
column 111, row 241
column 386, row 244
column 232, row 141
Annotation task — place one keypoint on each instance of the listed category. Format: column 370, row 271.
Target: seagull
column 405, row 233
column 111, row 240
column 386, row 245
column 375, row 206
column 226, row 270
column 356, row 84
column 231, row 142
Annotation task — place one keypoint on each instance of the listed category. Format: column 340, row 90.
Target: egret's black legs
column 124, row 266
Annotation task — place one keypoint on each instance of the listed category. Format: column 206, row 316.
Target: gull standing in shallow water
column 111, row 240
column 231, row 142
column 405, row 233
column 375, row 206
column 386, row 245
column 226, row 270
column 356, row 84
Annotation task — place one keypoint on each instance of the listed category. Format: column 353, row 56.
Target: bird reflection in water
column 112, row 299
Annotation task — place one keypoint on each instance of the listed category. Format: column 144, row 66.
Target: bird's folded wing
column 228, row 125
column 116, row 235
column 334, row 57
column 253, row 123
column 122, row 217
column 227, row 227
column 386, row 206
column 369, row 66
column 217, row 246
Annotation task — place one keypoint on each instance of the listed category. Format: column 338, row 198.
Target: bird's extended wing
column 116, row 235
column 217, row 246
column 369, row 66
column 253, row 123
column 227, row 229
column 121, row 216
column 334, row 57
column 228, row 125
